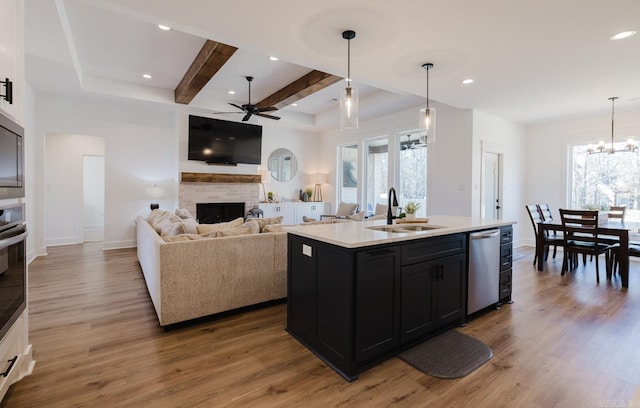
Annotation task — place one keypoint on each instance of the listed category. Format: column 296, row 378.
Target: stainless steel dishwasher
column 484, row 270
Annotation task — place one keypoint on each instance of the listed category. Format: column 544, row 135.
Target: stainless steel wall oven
column 11, row 159
column 13, row 235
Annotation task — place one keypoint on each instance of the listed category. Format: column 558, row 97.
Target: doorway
column 93, row 198
column 491, row 207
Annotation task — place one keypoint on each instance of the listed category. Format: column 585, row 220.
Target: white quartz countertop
column 358, row 233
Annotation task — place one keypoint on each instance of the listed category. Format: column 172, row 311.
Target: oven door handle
column 5, row 243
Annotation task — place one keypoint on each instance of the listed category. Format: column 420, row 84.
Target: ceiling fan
column 250, row 109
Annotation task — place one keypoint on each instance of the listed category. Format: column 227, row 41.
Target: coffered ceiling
column 531, row 61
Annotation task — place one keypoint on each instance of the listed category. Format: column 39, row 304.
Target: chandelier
column 601, row 148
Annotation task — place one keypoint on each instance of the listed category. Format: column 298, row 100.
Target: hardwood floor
column 565, row 342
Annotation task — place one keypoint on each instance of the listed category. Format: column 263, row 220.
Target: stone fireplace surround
column 218, row 188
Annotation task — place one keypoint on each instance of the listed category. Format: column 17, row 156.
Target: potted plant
column 411, row 208
column 309, row 193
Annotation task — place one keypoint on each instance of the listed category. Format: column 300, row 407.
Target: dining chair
column 554, row 236
column 617, row 212
column 536, row 217
column 581, row 237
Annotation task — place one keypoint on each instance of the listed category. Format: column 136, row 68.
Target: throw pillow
column 266, row 221
column 381, row 209
column 308, row 219
column 184, row 213
column 249, row 227
column 359, row 216
column 159, row 217
column 273, row 228
column 345, row 209
column 208, row 228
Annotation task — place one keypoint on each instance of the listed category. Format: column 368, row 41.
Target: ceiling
column 532, row 62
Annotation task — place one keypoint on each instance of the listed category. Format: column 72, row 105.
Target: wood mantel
column 219, row 178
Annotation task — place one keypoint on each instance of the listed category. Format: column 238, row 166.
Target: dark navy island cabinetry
column 506, row 259
column 353, row 307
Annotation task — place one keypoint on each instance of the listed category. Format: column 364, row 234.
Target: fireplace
column 213, row 213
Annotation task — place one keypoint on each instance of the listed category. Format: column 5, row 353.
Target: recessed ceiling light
column 164, row 27
column 624, row 34
column 273, row 58
column 232, row 92
column 467, row 81
column 294, row 104
column 147, row 76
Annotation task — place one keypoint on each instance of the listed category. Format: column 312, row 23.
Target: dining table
column 620, row 231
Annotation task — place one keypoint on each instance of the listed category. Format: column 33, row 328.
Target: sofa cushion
column 262, row 222
column 249, row 227
column 180, row 227
column 308, row 219
column 209, row 228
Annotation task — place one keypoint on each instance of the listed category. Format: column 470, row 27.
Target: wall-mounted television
column 218, row 141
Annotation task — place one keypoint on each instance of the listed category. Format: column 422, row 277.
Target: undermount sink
column 404, row 228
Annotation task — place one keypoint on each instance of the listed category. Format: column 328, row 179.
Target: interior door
column 492, row 197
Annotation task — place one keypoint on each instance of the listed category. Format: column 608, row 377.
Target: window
column 413, row 171
column 348, row 183
column 377, row 173
column 599, row 181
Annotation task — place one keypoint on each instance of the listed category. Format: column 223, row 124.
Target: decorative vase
column 410, row 216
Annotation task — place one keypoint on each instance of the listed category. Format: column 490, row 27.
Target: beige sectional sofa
column 190, row 275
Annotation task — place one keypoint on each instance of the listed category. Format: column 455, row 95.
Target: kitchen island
column 359, row 292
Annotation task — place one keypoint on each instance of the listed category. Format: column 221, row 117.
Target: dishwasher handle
column 485, row 234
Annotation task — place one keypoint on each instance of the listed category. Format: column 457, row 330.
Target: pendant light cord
column 613, row 101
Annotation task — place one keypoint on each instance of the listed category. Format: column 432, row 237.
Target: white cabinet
column 293, row 212
column 286, row 210
column 12, row 55
column 312, row 210
column 15, row 355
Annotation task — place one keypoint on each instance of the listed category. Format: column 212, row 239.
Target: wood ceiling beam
column 209, row 60
column 298, row 89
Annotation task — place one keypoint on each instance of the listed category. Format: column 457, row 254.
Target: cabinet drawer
column 506, row 255
column 506, row 235
column 505, row 284
column 432, row 248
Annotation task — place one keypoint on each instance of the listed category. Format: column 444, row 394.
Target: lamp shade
column 154, row 192
column 265, row 176
column 349, row 109
column 428, row 123
column 318, row 178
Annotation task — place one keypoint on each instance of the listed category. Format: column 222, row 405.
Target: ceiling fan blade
column 264, row 115
column 246, row 117
column 237, row 106
column 267, row 109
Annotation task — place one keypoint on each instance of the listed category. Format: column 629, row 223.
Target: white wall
column 496, row 135
column 140, row 150
column 548, row 146
column 449, row 158
column 144, row 144
column 63, row 195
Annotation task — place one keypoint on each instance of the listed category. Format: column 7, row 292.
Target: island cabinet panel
column 506, row 260
column 433, row 290
column 418, row 315
column 320, row 301
column 377, row 302
column 353, row 307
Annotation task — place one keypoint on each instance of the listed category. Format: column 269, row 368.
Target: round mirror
column 283, row 164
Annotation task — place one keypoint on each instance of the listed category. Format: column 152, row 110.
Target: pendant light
column 428, row 114
column 349, row 99
column 629, row 147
